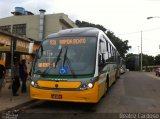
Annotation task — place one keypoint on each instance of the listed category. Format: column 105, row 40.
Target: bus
column 74, row 65
column 122, row 66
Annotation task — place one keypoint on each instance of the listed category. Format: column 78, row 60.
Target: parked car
column 157, row 71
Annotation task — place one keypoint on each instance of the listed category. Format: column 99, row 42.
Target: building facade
column 22, row 49
column 35, row 26
column 28, row 28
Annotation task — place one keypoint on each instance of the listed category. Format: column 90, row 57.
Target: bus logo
column 63, row 70
column 56, row 85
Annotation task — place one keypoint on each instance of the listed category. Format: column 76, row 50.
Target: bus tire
column 107, row 83
column 117, row 74
column 115, row 78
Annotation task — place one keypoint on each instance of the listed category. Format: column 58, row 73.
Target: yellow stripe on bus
column 52, row 84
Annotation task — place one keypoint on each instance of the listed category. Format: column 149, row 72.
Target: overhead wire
column 135, row 32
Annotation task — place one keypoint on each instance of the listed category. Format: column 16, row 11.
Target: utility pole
column 12, row 48
column 11, row 60
column 141, row 51
column 138, row 57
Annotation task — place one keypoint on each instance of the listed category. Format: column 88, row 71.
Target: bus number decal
column 42, row 65
column 53, row 42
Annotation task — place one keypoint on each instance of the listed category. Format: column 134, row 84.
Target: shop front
column 24, row 48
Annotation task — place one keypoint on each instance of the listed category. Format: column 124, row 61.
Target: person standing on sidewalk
column 16, row 82
column 2, row 76
column 23, row 75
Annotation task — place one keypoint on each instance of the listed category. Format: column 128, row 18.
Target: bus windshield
column 66, row 56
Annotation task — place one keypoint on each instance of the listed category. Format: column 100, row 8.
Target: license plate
column 56, row 96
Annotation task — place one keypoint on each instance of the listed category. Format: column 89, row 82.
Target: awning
column 18, row 50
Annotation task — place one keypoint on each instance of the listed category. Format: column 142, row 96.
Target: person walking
column 2, row 76
column 23, row 75
column 16, row 82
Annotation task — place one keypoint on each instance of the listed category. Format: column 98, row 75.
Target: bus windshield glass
column 66, row 56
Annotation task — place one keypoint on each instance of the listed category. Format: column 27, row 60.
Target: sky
column 127, row 19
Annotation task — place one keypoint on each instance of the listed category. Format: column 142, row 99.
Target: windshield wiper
column 37, row 72
column 69, row 63
column 65, row 56
column 45, row 72
column 58, row 57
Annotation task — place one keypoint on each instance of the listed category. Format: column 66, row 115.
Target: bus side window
column 102, row 52
column 99, row 59
column 107, row 46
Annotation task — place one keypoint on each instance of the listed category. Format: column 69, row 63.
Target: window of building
column 6, row 28
column 19, row 29
column 1, row 54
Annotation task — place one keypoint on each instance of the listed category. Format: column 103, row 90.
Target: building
column 27, row 29
column 35, row 27
column 22, row 49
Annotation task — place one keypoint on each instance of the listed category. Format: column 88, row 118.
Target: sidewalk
column 8, row 102
column 152, row 74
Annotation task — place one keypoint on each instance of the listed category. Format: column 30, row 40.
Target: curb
column 18, row 106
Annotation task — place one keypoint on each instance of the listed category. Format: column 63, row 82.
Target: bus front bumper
column 86, row 96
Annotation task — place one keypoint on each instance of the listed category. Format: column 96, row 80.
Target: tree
column 87, row 24
column 147, row 60
column 157, row 60
column 130, row 62
column 122, row 46
column 133, row 63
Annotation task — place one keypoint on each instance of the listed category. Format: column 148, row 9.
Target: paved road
column 135, row 92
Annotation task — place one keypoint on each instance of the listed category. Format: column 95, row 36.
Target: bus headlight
column 34, row 84
column 86, row 86
column 90, row 85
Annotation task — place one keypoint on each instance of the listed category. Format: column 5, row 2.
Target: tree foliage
column 157, row 60
column 133, row 61
column 147, row 60
column 122, row 46
column 130, row 62
column 87, row 24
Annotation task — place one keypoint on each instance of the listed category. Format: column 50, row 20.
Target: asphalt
column 9, row 102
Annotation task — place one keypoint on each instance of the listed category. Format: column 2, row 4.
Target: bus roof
column 83, row 31
column 86, row 31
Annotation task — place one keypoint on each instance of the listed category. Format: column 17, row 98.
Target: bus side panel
column 112, row 74
column 101, row 85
